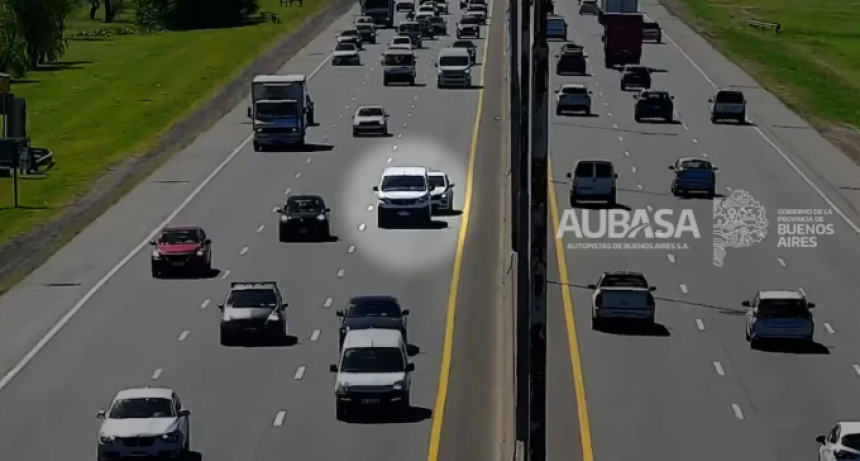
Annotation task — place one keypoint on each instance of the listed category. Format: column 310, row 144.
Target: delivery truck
column 622, row 39
column 280, row 109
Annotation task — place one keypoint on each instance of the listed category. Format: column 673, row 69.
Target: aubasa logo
column 619, row 224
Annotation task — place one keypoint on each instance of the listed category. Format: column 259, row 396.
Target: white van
column 403, row 193
column 373, row 372
column 454, row 68
column 593, row 180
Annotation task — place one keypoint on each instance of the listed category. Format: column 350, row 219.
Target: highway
column 92, row 321
column 692, row 388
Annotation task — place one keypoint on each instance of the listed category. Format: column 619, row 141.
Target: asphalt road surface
column 109, row 325
column 692, row 388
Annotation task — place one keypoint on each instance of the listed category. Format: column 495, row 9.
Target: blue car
column 693, row 175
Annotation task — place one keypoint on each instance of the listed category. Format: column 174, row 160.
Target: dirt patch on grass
column 845, row 138
column 25, row 253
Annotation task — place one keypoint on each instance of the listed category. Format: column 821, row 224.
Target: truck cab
column 382, row 11
column 281, row 110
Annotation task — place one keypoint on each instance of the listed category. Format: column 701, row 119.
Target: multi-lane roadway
column 92, row 321
column 692, row 388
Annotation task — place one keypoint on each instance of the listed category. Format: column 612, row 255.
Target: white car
column 593, row 180
column 622, row 295
column 404, row 6
column 728, row 104
column 401, row 42
column 373, row 371
column 841, row 444
column 478, row 11
column 428, row 8
column 144, row 422
column 779, row 314
column 346, row 54
column 573, row 98
column 403, row 193
column 441, row 191
column 369, row 120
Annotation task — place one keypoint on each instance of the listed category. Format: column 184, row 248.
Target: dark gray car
column 378, row 311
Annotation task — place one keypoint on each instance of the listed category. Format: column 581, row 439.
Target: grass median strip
column 114, row 94
column 812, row 64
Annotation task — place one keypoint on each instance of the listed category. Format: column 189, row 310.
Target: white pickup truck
column 622, row 295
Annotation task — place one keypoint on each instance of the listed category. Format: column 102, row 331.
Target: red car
column 181, row 248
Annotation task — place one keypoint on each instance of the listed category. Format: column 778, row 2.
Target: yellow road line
column 572, row 342
column 448, row 345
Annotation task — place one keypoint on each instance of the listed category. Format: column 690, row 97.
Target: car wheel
column 258, row 147
column 156, row 273
column 755, row 343
column 613, row 200
column 384, row 81
column 412, row 81
column 559, row 111
column 712, row 192
column 226, row 339
column 623, row 87
column 207, row 267
column 573, row 200
column 742, row 118
column 713, row 119
column 283, row 234
column 381, row 220
column 637, row 118
column 354, row 133
column 596, row 323
column 340, row 411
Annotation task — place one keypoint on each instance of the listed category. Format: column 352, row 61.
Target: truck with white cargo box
column 616, row 6
column 281, row 110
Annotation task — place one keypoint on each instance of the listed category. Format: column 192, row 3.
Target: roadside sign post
column 5, row 87
column 10, row 157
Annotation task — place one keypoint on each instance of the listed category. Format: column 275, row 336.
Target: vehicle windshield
column 584, row 170
column 409, row 27
column 475, row 8
column 851, row 441
column 655, row 96
column 271, row 110
column 179, row 237
column 454, row 61
column 782, row 308
column 401, row 41
column 436, row 20
column 142, row 408
column 696, row 165
column 437, row 181
column 370, row 112
column 253, row 298
column 635, row 70
column 555, row 23
column 373, row 360
column 364, row 20
column 626, row 281
column 469, row 21
column 349, row 33
column 404, row 183
column 364, row 27
column 574, row 90
column 730, row 97
column 305, row 205
column 345, row 47
column 374, row 308
column 399, row 60
column 463, row 44
column 602, row 170
column 376, row 4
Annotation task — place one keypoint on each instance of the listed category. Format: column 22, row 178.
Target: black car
column 367, row 33
column 427, row 29
column 379, row 311
column 469, row 45
column 654, row 104
column 571, row 60
column 635, row 77
column 304, row 215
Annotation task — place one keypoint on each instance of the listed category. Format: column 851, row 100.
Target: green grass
column 813, row 65
column 111, row 98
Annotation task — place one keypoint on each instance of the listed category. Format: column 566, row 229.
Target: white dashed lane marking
column 639, row 186
column 857, row 369
column 627, row 153
column 279, row 418
column 683, row 288
column 225, row 274
column 287, row 192
column 719, row 367
column 361, row 227
column 737, row 410
column 298, row 175
column 183, row 336
column 781, row 262
column 389, row 160
column 700, row 324
column 615, row 126
column 351, row 249
column 156, row 374
column 633, row 169
column 300, row 373
column 308, row 160
column 328, row 302
column 340, row 273
column 315, row 335
column 369, row 207
column 244, row 251
column 620, row 138
column 695, row 141
column 649, row 208
column 829, row 328
column 205, row 303
column 260, row 229
column 671, row 258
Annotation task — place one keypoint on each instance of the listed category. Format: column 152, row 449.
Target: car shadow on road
column 432, row 225
column 654, row 121
column 632, row 328
column 189, row 275
column 793, row 347
column 193, row 456
column 577, row 115
column 598, row 206
column 413, row 415
column 311, row 239
column 307, row 147
column 262, row 342
column 447, row 213
column 412, row 350
column 700, row 196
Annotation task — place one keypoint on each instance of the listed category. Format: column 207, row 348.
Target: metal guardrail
column 774, row 26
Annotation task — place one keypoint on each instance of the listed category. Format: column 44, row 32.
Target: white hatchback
column 403, row 193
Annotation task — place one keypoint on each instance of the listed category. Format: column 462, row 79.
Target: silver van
column 593, row 180
column 373, row 372
column 454, row 68
column 779, row 314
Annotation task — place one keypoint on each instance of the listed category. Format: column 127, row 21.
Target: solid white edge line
column 31, row 354
column 260, row 229
column 351, row 249
column 737, row 410
column 719, row 368
column 279, row 418
column 244, row 251
column 300, row 373
column 775, row 147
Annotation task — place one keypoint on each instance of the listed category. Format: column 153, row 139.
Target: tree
column 42, row 23
column 13, row 46
column 94, row 8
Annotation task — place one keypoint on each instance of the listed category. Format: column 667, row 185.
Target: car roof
column 780, row 294
column 371, row 298
column 396, row 51
column 654, row 91
column 850, row 427
column 436, row 173
column 295, row 198
column 144, row 393
column 372, row 337
column 369, row 106
column 729, row 90
column 693, row 159
column 578, row 86
column 180, row 229
column 405, row 171
column 259, row 285
column 594, row 160
column 625, row 273
column 451, row 51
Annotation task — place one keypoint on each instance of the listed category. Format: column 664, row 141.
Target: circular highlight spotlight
column 407, row 249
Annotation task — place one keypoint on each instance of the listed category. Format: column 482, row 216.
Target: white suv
column 144, row 422
column 403, row 193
